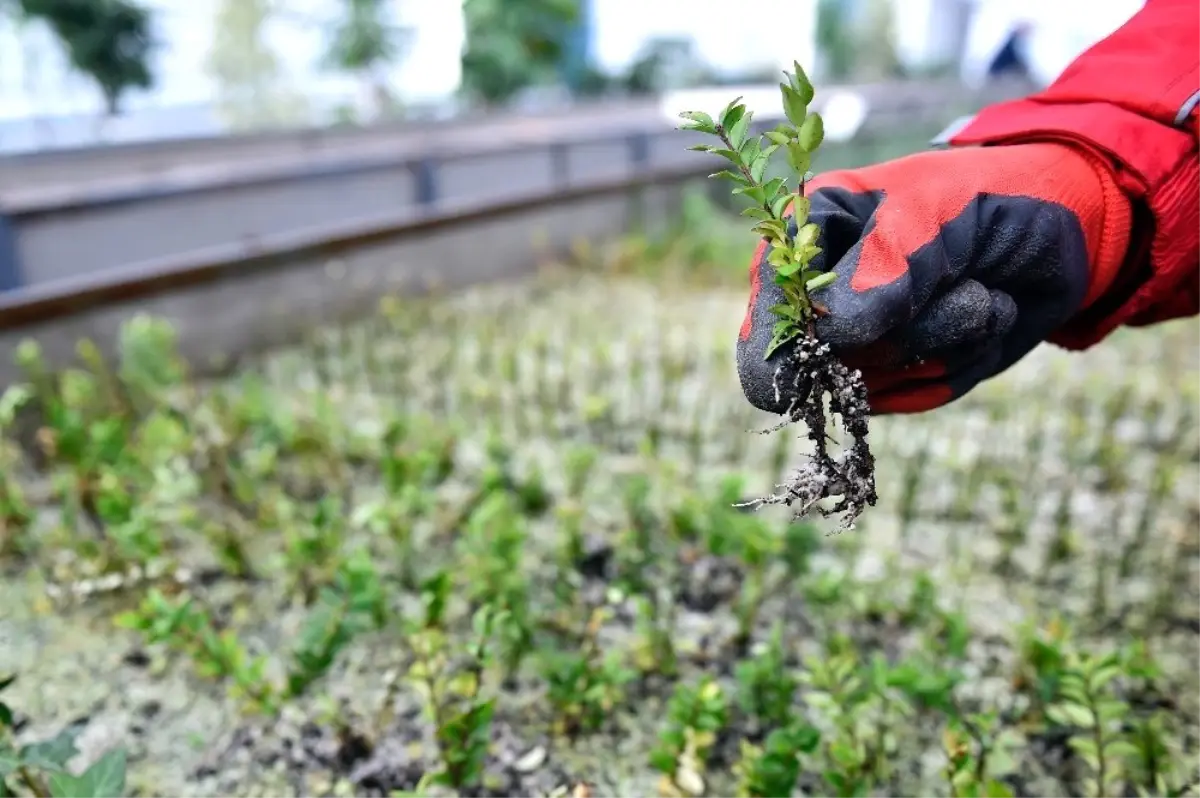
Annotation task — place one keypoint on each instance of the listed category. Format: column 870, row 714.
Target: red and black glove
column 951, row 265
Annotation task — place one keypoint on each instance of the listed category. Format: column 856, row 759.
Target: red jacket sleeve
column 1132, row 99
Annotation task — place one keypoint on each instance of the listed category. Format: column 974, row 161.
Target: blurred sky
column 34, row 78
column 36, row 86
column 726, row 38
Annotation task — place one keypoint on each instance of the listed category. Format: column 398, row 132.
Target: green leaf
column 778, row 257
column 106, row 777
column 817, row 283
column 732, row 113
column 771, row 228
column 1085, row 747
column 812, row 132
column 757, row 213
column 780, row 203
column 755, row 193
column 1070, row 715
column 773, row 187
column 794, row 106
column 701, row 148
column 788, row 269
column 5, row 681
column 787, row 311
column 996, row 789
column 737, row 134
column 798, row 158
column 733, row 156
column 802, row 83
column 750, row 151
column 6, row 716
column 52, row 754
column 807, row 235
column 778, row 137
column 9, row 762
column 779, row 341
column 726, row 174
column 700, row 121
column 759, row 168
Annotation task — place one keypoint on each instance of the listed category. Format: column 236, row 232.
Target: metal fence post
column 425, row 176
column 639, row 160
column 10, row 264
column 560, row 165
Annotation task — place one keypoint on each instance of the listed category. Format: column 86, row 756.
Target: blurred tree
column 513, row 44
column 835, row 39
column 877, row 43
column 107, row 40
column 251, row 86
column 667, row 62
column 364, row 44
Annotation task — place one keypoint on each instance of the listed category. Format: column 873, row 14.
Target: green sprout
column 799, row 138
column 810, row 371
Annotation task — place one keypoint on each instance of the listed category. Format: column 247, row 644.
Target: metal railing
column 238, row 257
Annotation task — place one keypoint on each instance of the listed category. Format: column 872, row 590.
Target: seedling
column 583, row 683
column 808, row 369
column 772, row 769
column 696, row 713
column 188, row 628
column 41, row 767
column 766, row 686
column 453, row 694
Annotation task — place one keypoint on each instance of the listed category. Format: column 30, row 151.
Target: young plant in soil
column 808, row 370
column 40, row 768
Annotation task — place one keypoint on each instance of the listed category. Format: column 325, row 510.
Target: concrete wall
column 277, row 302
column 66, row 232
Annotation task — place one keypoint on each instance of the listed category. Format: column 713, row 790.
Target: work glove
column 951, row 265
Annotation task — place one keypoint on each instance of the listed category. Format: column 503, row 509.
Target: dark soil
column 821, row 387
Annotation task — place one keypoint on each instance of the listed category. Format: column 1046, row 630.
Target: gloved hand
column 951, row 266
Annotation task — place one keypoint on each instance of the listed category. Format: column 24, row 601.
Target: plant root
column 850, row 475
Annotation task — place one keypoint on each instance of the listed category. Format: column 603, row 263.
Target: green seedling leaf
column 726, row 174
column 104, row 779
column 812, row 132
column 771, row 229
column 779, row 257
column 807, row 235
column 9, row 761
column 756, row 193
column 732, row 113
column 5, row 681
column 52, row 754
column 779, row 204
column 759, row 168
column 799, row 80
column 798, row 158
column 732, row 156
column 737, row 133
column 794, row 105
column 699, row 121
column 1071, row 715
column 820, row 281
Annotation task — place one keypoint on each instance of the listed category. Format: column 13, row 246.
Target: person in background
column 1058, row 217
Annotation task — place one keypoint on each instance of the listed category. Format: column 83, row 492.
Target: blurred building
column 976, row 37
column 43, row 102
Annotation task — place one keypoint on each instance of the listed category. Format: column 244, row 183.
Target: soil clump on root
column 803, row 379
